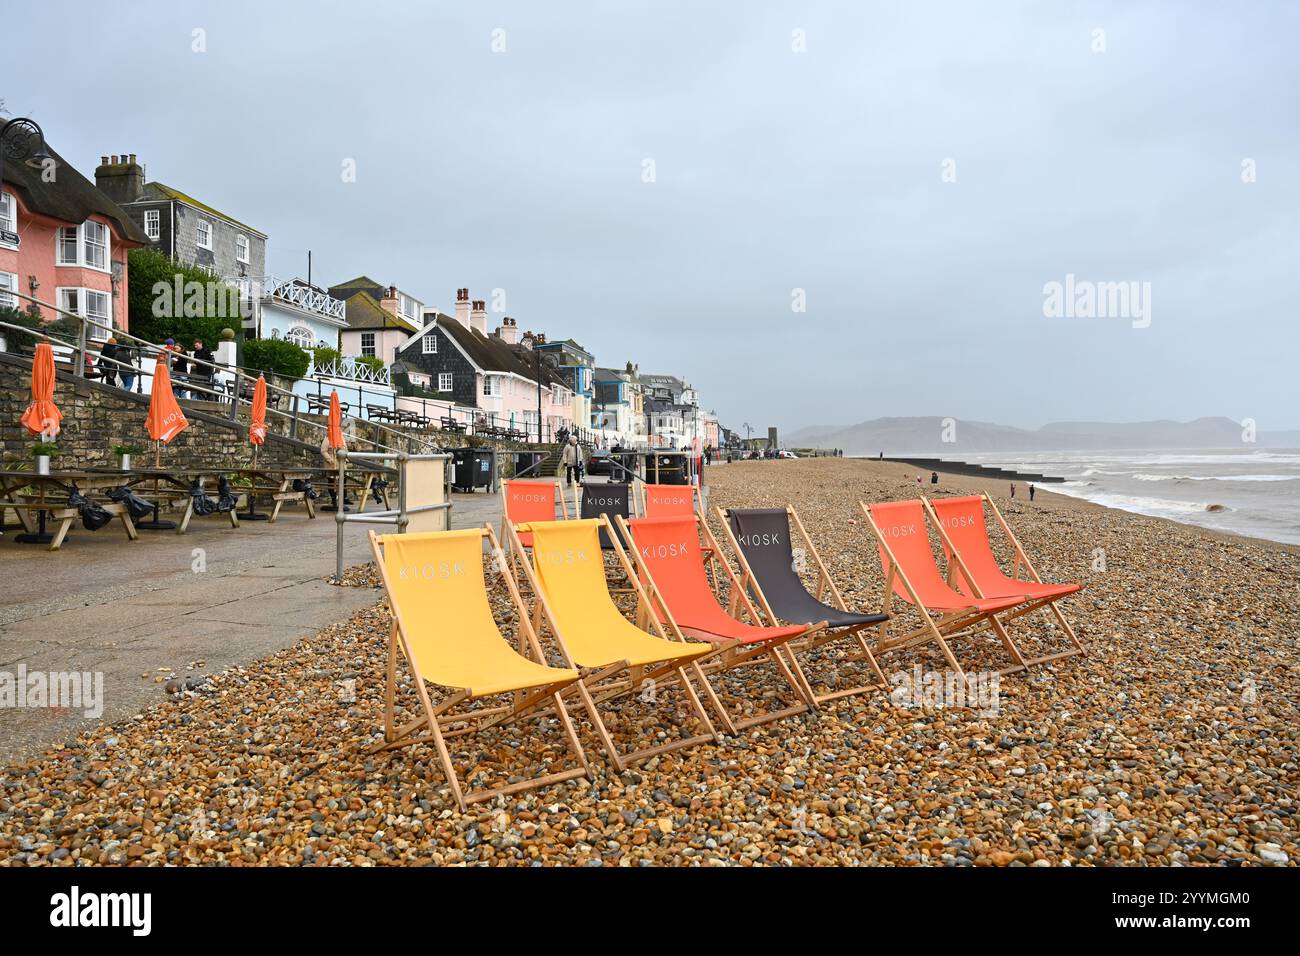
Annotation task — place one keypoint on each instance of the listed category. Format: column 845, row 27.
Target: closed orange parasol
column 166, row 420
column 336, row 422
column 257, row 428
column 43, row 416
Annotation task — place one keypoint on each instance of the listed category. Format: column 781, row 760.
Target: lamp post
column 23, row 140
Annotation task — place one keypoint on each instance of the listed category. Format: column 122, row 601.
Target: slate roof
column 493, row 355
column 71, row 197
column 160, row 192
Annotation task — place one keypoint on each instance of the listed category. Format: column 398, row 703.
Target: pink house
column 493, row 374
column 64, row 242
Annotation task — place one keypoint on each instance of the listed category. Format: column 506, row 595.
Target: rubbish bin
column 473, row 469
column 527, row 463
column 665, row 469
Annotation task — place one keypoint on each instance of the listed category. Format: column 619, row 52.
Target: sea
column 1255, row 493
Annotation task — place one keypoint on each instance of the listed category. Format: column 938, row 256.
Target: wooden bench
column 451, row 425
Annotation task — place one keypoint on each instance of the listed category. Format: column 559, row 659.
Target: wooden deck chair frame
column 619, row 678
column 514, row 554
column 954, row 624
column 748, row 580
column 735, row 653
column 957, row 563
column 440, row 722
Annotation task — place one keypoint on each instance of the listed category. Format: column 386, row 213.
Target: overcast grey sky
column 775, row 170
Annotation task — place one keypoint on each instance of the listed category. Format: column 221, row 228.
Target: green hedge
column 156, row 314
column 275, row 356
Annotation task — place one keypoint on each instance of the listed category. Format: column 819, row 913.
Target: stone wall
column 96, row 417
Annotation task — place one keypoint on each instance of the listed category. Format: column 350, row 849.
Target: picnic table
column 33, row 497
column 172, row 490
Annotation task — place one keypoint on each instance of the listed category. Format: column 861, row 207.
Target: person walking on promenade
column 571, row 459
column 1013, row 489
column 1031, row 491
column 126, row 365
column 108, row 362
column 203, row 372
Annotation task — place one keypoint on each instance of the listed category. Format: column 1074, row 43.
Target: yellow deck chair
column 567, row 573
column 443, row 624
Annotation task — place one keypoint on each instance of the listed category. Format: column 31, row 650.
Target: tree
column 170, row 300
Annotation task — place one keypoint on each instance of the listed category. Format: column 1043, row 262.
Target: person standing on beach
column 1013, row 489
column 1031, row 491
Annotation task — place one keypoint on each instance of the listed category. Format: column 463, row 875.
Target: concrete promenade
column 218, row 595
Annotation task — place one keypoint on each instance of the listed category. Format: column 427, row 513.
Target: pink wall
column 35, row 257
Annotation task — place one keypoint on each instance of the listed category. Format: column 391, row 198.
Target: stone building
column 185, row 228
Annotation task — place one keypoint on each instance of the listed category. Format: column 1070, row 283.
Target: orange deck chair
column 965, row 538
column 912, row 574
column 523, row 501
column 665, row 501
column 443, row 626
column 567, row 573
column 667, row 552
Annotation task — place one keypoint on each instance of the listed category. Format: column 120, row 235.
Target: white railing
column 350, row 369
column 304, row 297
column 291, row 291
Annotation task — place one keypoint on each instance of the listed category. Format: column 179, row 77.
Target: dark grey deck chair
column 761, row 540
column 606, row 499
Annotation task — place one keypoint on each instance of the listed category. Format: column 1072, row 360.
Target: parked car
column 786, row 454
column 598, row 462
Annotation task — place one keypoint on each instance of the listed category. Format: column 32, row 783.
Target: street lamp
column 22, row 139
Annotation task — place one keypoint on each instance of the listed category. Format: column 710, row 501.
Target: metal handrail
column 79, row 369
column 398, row 516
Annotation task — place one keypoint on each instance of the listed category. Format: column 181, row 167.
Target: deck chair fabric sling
column 912, row 575
column 525, row 501
column 567, row 573
column 965, row 539
column 668, row 501
column 668, row 555
column 613, row 499
column 443, row 626
column 762, row 541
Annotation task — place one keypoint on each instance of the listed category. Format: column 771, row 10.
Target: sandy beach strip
column 1172, row 742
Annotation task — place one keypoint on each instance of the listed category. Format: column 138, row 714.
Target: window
column 241, row 248
column 85, row 245
column 8, row 218
column 66, row 253
column 429, row 344
column 492, row 385
column 205, row 234
column 91, row 304
column 444, row 381
column 9, row 280
column 368, row 343
column 406, row 305
column 94, row 244
column 301, row 336
column 152, row 229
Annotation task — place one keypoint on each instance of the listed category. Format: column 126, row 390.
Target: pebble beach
column 1172, row 742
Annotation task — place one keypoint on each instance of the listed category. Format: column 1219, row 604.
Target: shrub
column 156, row 317
column 326, row 356
column 275, row 356
column 371, row 361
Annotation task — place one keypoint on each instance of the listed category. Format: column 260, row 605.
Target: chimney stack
column 509, row 331
column 478, row 316
column 389, row 301
column 462, row 307
column 120, row 177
